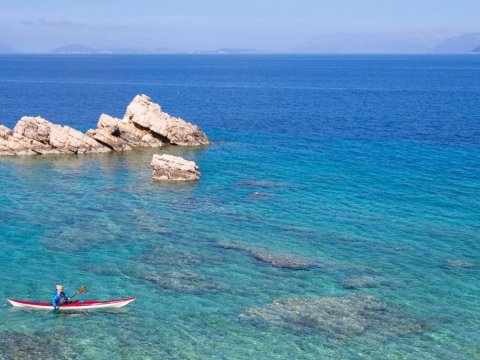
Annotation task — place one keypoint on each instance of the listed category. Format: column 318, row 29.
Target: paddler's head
column 59, row 288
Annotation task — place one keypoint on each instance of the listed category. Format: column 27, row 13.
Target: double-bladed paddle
column 81, row 290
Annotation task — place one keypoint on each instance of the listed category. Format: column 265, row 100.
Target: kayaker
column 59, row 297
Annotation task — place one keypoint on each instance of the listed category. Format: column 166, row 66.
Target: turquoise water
column 366, row 168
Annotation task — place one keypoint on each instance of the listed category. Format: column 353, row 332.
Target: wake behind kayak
column 76, row 305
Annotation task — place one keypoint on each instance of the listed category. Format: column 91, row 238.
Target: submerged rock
column 17, row 345
column 148, row 115
column 459, row 264
column 363, row 281
column 164, row 255
column 174, row 168
column 335, row 317
column 181, row 281
column 262, row 183
column 275, row 259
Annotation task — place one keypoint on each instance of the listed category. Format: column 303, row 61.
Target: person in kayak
column 59, row 297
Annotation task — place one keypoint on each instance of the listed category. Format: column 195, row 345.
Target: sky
column 263, row 25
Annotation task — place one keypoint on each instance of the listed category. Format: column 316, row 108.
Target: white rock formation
column 144, row 125
column 174, row 168
column 149, row 115
column 35, row 135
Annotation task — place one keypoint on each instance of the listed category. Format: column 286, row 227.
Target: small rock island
column 174, row 168
column 143, row 125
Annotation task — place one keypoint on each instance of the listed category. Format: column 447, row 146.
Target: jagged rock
column 34, row 135
column 110, row 141
column 12, row 143
column 335, row 317
column 286, row 261
column 121, row 135
column 144, row 125
column 149, row 115
column 63, row 139
column 174, row 168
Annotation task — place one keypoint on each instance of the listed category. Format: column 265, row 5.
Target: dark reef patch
column 335, row 317
column 364, row 281
column 40, row 345
column 459, row 264
column 181, row 281
column 285, row 261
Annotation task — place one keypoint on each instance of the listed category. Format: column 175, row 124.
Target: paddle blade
column 82, row 289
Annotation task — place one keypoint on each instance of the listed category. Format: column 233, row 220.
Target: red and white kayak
column 76, row 305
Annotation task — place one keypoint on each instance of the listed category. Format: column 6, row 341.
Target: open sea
column 352, row 180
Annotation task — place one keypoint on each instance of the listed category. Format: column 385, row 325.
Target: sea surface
column 352, row 180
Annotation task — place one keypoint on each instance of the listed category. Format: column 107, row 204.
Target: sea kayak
column 76, row 305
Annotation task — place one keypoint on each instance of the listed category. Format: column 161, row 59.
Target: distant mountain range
column 433, row 42
column 224, row 51
column 7, row 49
column 394, row 42
column 74, row 49
column 81, row 49
column 459, row 44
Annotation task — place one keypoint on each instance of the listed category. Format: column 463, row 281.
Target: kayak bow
column 77, row 305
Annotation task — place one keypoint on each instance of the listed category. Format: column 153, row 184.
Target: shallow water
column 366, row 167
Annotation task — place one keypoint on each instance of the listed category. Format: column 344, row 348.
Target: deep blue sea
column 365, row 168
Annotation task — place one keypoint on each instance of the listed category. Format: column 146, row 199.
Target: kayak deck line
column 77, row 305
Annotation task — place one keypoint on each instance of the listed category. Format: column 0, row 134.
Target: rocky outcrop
column 144, row 125
column 35, row 135
column 174, row 168
column 120, row 135
column 144, row 113
column 11, row 144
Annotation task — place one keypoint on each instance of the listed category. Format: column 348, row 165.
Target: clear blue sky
column 34, row 25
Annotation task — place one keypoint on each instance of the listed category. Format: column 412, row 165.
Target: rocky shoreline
column 143, row 125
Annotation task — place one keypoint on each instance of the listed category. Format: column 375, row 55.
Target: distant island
column 335, row 43
column 224, row 51
column 7, row 49
column 75, row 49
column 459, row 44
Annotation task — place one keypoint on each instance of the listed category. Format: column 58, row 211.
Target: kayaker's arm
column 55, row 300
